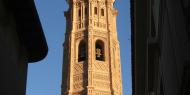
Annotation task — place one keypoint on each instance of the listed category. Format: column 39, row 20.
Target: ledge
column 28, row 27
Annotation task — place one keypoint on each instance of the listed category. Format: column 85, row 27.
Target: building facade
column 91, row 49
column 160, row 47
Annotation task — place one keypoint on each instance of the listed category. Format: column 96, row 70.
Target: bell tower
column 91, row 62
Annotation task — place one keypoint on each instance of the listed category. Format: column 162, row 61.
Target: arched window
column 102, row 12
column 86, row 11
column 100, row 55
column 79, row 13
column 95, row 10
column 82, row 51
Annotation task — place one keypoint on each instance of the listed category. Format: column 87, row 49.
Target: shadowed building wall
column 21, row 42
column 160, row 40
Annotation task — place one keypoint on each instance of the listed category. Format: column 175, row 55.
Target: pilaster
column 90, row 62
column 72, row 60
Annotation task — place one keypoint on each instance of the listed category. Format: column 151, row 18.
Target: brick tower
column 91, row 63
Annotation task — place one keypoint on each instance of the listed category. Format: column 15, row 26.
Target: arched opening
column 82, row 51
column 99, row 49
column 86, row 11
column 95, row 10
column 79, row 13
column 102, row 12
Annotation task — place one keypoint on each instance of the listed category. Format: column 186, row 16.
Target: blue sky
column 44, row 77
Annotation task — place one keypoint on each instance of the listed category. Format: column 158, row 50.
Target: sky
column 44, row 77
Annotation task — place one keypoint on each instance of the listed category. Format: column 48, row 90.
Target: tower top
column 68, row 1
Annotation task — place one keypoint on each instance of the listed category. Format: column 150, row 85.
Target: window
column 79, row 13
column 86, row 11
column 102, row 12
column 99, row 50
column 82, row 51
column 95, row 10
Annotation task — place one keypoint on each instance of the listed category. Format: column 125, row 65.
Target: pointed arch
column 100, row 50
column 82, row 51
column 102, row 12
column 95, row 10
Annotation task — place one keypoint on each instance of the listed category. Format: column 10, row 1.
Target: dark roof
column 29, row 28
